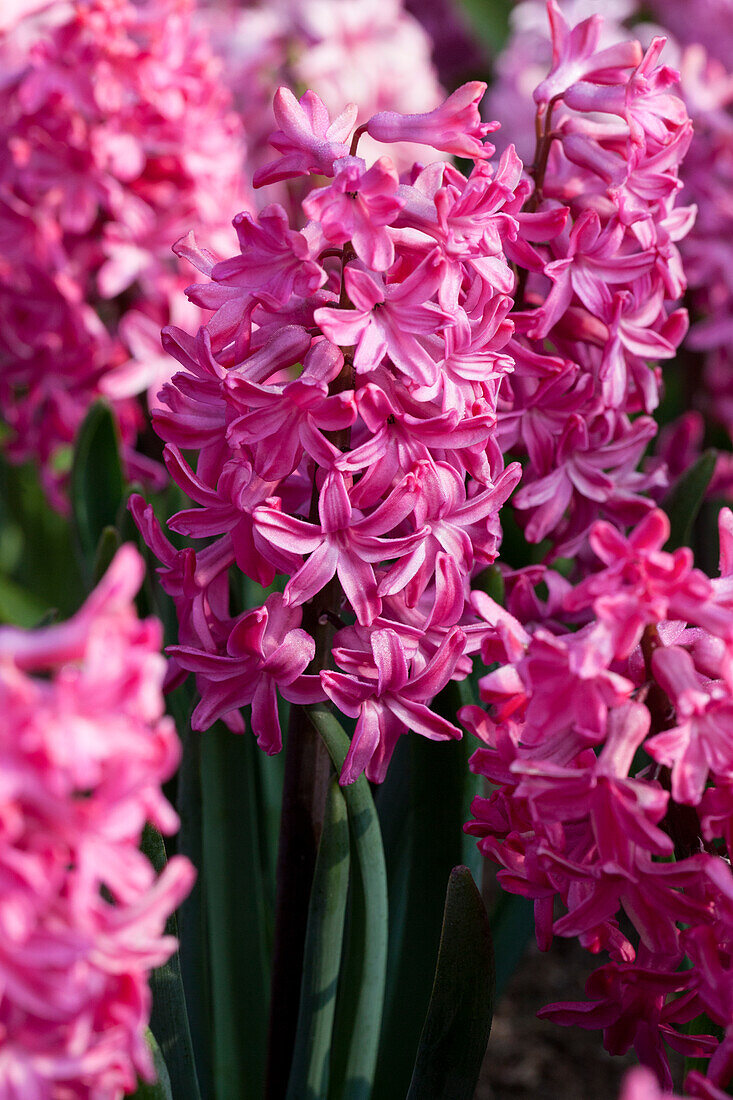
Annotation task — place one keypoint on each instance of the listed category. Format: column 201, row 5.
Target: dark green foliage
column 458, row 1022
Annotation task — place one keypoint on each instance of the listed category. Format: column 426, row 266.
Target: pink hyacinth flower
column 85, row 747
column 702, row 739
column 357, row 207
column 388, row 320
column 390, row 702
column 575, row 56
column 308, row 140
column 341, row 545
column 266, row 650
column 453, row 127
column 275, row 262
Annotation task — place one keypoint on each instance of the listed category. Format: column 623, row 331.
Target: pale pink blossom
column 307, row 139
column 116, row 134
column 85, row 750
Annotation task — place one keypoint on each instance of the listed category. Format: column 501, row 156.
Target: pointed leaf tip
column 685, row 498
column 458, row 1021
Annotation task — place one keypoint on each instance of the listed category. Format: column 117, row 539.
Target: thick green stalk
column 307, row 772
column 361, row 991
column 235, row 909
column 322, row 955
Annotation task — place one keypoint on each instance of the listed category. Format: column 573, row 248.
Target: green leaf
column 97, row 484
column 169, row 1018
column 236, row 912
column 108, row 545
column 512, row 927
column 193, row 938
column 309, row 1072
column 40, row 558
column 19, row 607
column 684, row 500
column 361, row 995
column 419, row 859
column 160, row 1089
column 457, row 1026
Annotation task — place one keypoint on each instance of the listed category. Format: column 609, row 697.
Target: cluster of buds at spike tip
column 611, row 747
column 599, row 275
column 342, row 403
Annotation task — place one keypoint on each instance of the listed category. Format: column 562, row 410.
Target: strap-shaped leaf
column 361, row 998
column 439, row 791
column 458, row 1022
column 684, row 500
column 235, row 912
column 169, row 1018
column 97, row 483
column 108, row 545
column 36, row 547
column 309, row 1072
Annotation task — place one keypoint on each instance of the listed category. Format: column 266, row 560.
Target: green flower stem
column 361, row 996
column 322, row 955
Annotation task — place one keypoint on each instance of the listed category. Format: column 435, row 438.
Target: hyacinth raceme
column 707, row 86
column 85, row 749
column 611, row 747
column 342, row 401
column 699, row 48
column 115, row 136
column 599, row 274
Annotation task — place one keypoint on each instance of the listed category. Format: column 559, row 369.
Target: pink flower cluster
column 611, row 747
column 700, row 49
column 599, row 271
column 84, row 749
column 115, row 136
column 342, row 401
column 527, row 56
column 707, row 87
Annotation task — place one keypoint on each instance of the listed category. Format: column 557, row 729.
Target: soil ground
column 531, row 1059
